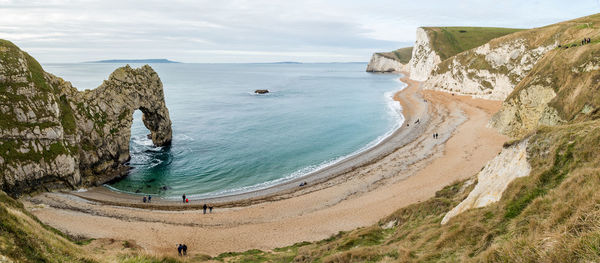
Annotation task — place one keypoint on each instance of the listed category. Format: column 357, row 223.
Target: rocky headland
column 53, row 136
column 395, row 61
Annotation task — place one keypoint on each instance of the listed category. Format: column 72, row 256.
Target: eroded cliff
column 424, row 58
column 494, row 69
column 562, row 87
column 394, row 61
column 381, row 63
column 53, row 136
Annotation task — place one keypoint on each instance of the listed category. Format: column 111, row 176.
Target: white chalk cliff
column 489, row 71
column 380, row 63
column 495, row 177
column 424, row 59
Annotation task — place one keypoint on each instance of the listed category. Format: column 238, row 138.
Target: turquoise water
column 226, row 139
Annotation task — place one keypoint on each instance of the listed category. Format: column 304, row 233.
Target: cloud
column 251, row 30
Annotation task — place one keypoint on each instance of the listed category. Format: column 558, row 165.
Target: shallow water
column 226, row 139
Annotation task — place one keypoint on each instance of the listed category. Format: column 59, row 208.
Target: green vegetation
column 402, row 55
column 66, row 116
column 449, row 41
column 24, row 239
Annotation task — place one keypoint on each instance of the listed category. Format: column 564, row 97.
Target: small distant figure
column 204, row 207
column 436, row 135
column 416, row 122
column 407, row 125
column 589, row 40
column 210, row 209
column 303, row 184
column 179, row 249
column 187, row 200
column 184, row 248
column 144, row 199
column 183, row 197
column 149, row 198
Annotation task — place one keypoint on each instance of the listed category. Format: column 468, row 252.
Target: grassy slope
column 565, row 33
column 402, row 55
column 449, row 41
column 565, row 71
column 24, row 239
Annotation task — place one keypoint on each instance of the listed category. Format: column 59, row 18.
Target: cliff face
column 53, row 136
column 490, row 71
column 396, row 60
column 494, row 69
column 494, row 178
column 563, row 87
column 436, row 44
column 380, row 63
column 424, row 58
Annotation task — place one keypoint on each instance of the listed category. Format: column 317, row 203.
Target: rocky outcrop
column 525, row 111
column 381, row 63
column 261, row 91
column 490, row 71
column 510, row 164
column 558, row 90
column 424, row 59
column 53, row 136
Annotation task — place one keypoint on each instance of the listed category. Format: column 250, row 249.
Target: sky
column 232, row 31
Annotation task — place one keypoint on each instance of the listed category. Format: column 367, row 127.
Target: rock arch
column 108, row 115
column 53, row 136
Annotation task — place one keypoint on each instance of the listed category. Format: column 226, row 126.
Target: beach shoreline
column 287, row 189
column 360, row 197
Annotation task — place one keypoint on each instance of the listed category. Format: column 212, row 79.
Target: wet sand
column 407, row 168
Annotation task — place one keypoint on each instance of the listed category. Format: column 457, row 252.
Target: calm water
column 227, row 139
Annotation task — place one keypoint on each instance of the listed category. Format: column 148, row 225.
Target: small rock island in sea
column 261, row 91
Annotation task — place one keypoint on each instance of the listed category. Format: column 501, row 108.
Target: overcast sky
column 253, row 30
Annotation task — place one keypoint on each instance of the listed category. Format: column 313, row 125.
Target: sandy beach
column 407, row 167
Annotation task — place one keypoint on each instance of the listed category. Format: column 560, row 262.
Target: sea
column 228, row 140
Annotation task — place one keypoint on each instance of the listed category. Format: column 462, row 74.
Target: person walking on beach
column 184, row 248
column 204, row 208
column 149, row 198
column 179, row 248
column 183, row 197
column 210, row 209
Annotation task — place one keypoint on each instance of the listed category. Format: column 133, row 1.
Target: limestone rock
column 380, row 63
column 424, row 59
column 54, row 136
column 510, row 164
column 489, row 71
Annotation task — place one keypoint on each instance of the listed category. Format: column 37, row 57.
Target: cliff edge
column 394, row 61
column 53, row 136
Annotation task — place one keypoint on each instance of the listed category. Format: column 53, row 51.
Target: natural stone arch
column 106, row 123
column 53, row 136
